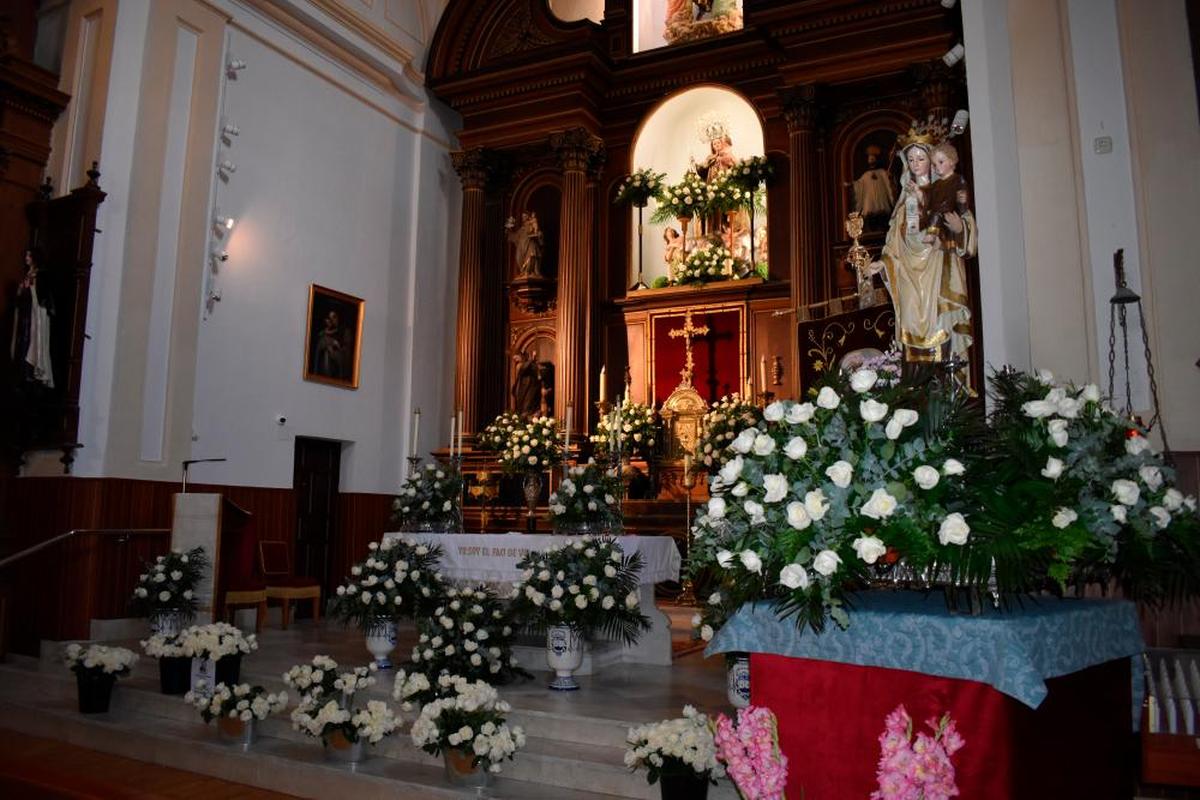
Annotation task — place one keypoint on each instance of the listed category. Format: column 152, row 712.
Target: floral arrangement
column 685, row 199
column 432, row 494
column 169, row 584
column 887, row 366
column 215, row 641
column 495, row 435
column 322, row 720
column 398, row 578
column 471, row 634
column 242, row 701
column 712, row 263
column 162, row 645
column 639, row 187
column 1083, row 487
column 920, row 769
column 720, row 426
column 413, row 689
column 814, row 494
column 468, row 717
column 588, row 494
column 321, row 678
column 588, row 584
column 98, row 658
column 533, row 446
column 749, row 749
column 674, row 746
column 725, row 194
column 631, row 428
column 750, row 173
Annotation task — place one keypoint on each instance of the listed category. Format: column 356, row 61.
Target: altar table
column 1042, row 693
column 493, row 557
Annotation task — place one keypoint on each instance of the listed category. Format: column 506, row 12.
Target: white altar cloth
column 493, row 557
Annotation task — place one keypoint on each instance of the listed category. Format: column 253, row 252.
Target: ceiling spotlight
column 230, row 130
column 949, row 3
column 954, row 55
column 227, row 167
column 959, row 123
column 235, row 64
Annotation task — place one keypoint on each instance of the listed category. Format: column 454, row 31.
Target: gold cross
column 688, row 332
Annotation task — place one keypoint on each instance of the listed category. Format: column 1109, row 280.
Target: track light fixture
column 954, row 55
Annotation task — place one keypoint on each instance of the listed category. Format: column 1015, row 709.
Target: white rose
column 952, row 466
column 751, row 561
column 706, row 633
column 764, row 445
column 1151, row 476
column 754, row 511
column 880, row 505
column 872, row 410
column 798, row 516
column 776, row 486
column 1045, row 376
column 794, row 576
column 827, row 562
column 1162, row 517
column 1069, row 407
column 1136, row 444
column 954, row 529
column 869, row 548
column 724, row 558
column 716, row 507
column 744, row 441
column 1118, row 513
column 1037, row 409
column 796, row 448
column 1058, row 432
column 1126, row 492
column 828, row 398
column 1063, row 517
column 1091, row 393
column 862, row 380
column 893, row 429
column 840, row 472
column 1173, row 499
column 799, row 413
column 732, row 469
column 926, row 476
column 906, row 416
column 1053, row 468
column 773, row 412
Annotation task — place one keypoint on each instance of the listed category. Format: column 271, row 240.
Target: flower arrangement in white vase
column 679, row 752
column 466, row 725
column 398, row 579
column 431, row 499
column 96, row 669
column 471, row 633
column 237, row 709
column 166, row 591
column 575, row 591
column 586, row 501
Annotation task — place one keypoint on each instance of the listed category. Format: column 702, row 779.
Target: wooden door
column 315, row 481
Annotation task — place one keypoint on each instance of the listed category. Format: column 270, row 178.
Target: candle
column 762, row 374
column 603, row 384
column 567, row 437
column 416, row 428
column 460, row 432
column 687, row 464
column 453, row 420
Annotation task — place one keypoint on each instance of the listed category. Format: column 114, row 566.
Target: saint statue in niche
column 688, row 20
column 529, row 240
column 527, row 385
column 873, row 192
column 30, row 349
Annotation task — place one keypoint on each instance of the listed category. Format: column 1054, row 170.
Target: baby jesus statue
column 947, row 194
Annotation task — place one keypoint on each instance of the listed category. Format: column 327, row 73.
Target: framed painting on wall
column 333, row 337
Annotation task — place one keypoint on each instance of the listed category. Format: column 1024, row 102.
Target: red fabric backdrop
column 717, row 355
column 1077, row 744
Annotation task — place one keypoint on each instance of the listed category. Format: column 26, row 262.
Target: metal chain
column 1157, row 418
column 1128, row 372
column 1112, row 351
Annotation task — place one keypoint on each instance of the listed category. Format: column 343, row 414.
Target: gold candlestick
column 687, row 597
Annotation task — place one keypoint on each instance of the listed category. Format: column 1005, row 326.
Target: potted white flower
column 430, row 500
column 587, row 501
column 237, row 709
column 166, row 591
column 327, row 708
column 679, row 754
column 174, row 666
column 216, row 650
column 96, row 669
column 466, row 726
column 574, row 591
column 470, row 633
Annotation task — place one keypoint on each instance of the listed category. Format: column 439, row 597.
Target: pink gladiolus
column 920, row 768
column 749, row 749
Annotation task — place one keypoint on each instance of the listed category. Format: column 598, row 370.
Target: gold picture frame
column 333, row 337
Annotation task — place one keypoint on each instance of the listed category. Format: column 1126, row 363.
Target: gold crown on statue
column 927, row 132
column 712, row 127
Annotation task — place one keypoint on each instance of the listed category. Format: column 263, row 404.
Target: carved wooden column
column 807, row 270
column 576, row 149
column 471, row 166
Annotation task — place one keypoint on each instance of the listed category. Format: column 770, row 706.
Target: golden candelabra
column 687, row 597
column 484, row 490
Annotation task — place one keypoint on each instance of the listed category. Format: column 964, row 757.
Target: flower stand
column 242, row 733
column 174, row 674
column 689, row 785
column 95, row 691
column 564, row 654
column 381, row 640
column 339, row 748
column 459, row 770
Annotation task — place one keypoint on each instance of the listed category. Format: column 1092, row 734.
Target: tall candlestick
column 416, row 429
column 762, row 374
column 603, row 383
column 567, row 436
column 453, row 421
column 460, row 432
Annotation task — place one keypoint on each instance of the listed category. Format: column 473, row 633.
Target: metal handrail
column 28, row 551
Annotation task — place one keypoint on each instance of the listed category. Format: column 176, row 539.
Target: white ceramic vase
column 737, row 681
column 564, row 654
column 381, row 640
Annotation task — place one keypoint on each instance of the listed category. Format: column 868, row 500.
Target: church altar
column 1042, row 693
column 493, row 557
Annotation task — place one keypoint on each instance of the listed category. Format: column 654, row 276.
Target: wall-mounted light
column 223, row 224
column 230, row 130
column 234, row 65
column 959, row 123
column 218, row 257
column 949, row 3
column 226, row 168
column 954, row 55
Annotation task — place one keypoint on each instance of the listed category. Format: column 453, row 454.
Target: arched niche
column 575, row 10
column 672, row 139
column 541, row 194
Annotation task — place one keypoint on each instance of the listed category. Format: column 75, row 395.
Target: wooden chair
column 282, row 585
column 240, row 587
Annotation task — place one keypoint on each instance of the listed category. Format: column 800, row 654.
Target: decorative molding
column 577, row 148
column 473, row 166
column 363, row 28
column 519, row 34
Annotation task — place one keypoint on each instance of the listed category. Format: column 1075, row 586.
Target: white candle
column 460, row 432
column 452, row 423
column 416, row 429
column 762, row 375
column 603, row 384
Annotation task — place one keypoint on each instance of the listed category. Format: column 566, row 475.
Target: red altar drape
column 1077, row 744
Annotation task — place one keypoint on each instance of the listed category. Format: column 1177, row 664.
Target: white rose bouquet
column 470, row 633
column 674, row 747
column 639, row 187
column 468, row 717
column 169, row 584
column 814, row 494
column 588, row 584
column 496, row 435
column 99, row 659
column 163, row 646
column 712, row 263
column 721, row 425
column 398, row 578
column 431, row 495
column 637, row 436
column 323, row 719
column 215, row 641
column 534, row 446
column 242, row 702
column 322, row 678
column 1082, row 488
column 685, row 199
column 588, row 494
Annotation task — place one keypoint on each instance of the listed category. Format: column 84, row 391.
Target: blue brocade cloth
column 1014, row 651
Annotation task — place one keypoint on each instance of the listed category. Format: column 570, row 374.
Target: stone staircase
column 572, row 752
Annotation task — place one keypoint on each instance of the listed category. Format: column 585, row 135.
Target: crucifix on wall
column 688, row 332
